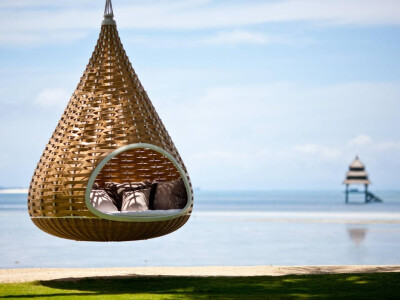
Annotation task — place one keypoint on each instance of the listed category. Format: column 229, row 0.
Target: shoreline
column 39, row 274
column 14, row 191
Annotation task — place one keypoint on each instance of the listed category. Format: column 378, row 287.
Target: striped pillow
column 136, row 200
column 116, row 190
column 102, row 202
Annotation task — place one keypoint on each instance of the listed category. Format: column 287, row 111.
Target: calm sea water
column 226, row 228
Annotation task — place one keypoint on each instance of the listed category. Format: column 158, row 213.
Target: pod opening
column 138, row 182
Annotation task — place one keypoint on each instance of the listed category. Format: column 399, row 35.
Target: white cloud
column 283, row 133
column 364, row 142
column 360, row 140
column 384, row 146
column 238, row 37
column 44, row 38
column 54, row 97
column 208, row 14
column 254, row 157
column 283, row 105
column 299, row 166
column 21, row 17
column 222, row 38
column 274, row 132
column 42, row 3
column 318, row 151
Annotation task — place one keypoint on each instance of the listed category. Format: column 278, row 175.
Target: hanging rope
column 108, row 10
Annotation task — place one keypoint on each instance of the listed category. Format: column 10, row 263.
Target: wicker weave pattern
column 108, row 110
column 96, row 229
column 138, row 165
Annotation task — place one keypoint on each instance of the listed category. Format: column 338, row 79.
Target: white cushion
column 102, row 202
column 116, row 190
column 147, row 213
column 136, row 200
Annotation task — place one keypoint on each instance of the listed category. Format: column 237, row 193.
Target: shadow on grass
column 332, row 286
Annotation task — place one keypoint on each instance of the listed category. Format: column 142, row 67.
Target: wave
column 302, row 216
column 13, row 191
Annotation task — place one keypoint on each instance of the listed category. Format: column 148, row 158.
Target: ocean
column 227, row 229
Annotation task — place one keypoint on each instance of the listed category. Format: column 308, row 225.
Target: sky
column 256, row 95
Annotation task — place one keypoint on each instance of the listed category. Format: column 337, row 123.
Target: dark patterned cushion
column 136, row 200
column 116, row 190
column 102, row 202
column 170, row 195
column 110, row 189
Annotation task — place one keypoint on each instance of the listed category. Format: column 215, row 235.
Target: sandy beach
column 26, row 275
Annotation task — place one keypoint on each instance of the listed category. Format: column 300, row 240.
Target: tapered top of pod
column 108, row 10
column 108, row 14
column 108, row 110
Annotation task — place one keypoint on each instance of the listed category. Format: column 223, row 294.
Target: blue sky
column 259, row 95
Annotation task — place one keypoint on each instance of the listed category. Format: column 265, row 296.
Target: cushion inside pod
column 149, row 213
column 116, row 190
column 136, row 200
column 170, row 195
column 140, row 196
column 102, row 201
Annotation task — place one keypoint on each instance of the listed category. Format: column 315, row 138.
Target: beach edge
column 40, row 274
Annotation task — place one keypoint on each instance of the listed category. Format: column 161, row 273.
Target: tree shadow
column 325, row 286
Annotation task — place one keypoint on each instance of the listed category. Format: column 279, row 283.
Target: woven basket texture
column 108, row 110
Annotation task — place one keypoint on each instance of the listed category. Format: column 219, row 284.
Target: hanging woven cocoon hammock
column 110, row 171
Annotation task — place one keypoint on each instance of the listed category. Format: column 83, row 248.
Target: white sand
column 24, row 275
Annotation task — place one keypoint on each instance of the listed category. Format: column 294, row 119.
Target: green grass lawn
column 338, row 286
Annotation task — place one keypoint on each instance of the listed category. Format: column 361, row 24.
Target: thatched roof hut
column 357, row 173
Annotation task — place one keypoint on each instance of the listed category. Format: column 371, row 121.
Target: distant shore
column 35, row 274
column 14, row 191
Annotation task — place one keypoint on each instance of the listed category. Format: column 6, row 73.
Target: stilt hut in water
column 358, row 176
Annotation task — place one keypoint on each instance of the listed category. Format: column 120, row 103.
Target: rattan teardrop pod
column 109, row 131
